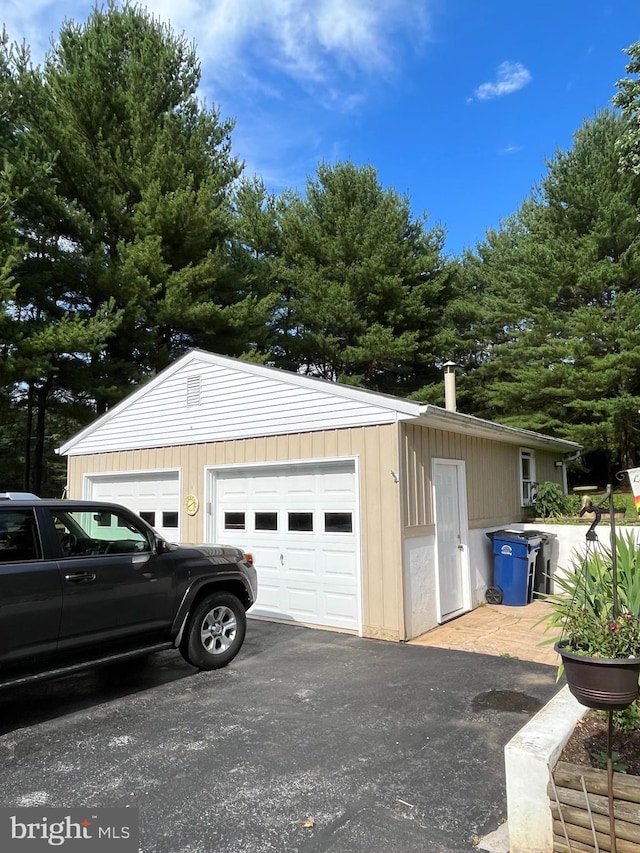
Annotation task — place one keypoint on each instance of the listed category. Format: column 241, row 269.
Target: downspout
column 565, row 459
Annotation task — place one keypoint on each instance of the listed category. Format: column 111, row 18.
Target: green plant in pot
column 598, row 610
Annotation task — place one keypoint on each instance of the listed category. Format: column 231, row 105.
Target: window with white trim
column 527, row 476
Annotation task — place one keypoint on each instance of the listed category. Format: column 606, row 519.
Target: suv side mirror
column 159, row 545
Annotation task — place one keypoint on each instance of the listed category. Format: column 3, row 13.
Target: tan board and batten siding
column 492, row 474
column 375, row 447
column 207, row 410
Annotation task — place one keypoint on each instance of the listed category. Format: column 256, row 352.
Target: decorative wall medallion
column 191, row 504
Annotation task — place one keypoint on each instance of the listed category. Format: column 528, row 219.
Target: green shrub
column 573, row 504
column 550, row 501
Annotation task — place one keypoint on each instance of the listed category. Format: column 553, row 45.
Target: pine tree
column 362, row 284
column 564, row 279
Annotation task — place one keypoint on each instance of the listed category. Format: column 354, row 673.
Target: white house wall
column 233, row 404
column 481, row 560
column 420, row 585
column 493, row 500
column 570, row 540
column 420, row 578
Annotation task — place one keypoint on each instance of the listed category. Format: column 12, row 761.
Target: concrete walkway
column 496, row 629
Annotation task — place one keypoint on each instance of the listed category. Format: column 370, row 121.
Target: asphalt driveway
column 309, row 741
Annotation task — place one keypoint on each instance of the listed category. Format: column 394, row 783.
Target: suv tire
column 215, row 632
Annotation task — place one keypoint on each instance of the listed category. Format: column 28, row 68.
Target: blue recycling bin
column 514, row 561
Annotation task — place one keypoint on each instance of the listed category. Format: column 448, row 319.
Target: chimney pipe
column 450, row 386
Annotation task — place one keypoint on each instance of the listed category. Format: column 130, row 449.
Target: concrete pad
column 496, row 629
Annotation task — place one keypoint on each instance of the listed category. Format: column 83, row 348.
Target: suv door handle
column 80, row 577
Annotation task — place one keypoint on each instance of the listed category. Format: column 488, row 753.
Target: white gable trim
column 315, row 402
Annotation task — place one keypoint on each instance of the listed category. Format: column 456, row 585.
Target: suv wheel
column 215, row 632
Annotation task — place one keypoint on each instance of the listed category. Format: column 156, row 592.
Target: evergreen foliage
column 119, row 182
column 559, row 308
column 128, row 235
column 363, row 284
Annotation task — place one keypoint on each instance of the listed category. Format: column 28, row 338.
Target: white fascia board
column 469, row 425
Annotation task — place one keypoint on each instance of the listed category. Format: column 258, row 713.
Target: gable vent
column 194, row 385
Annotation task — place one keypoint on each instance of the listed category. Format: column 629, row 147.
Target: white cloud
column 510, row 149
column 314, row 43
column 289, row 70
column 510, row 77
column 309, row 41
column 35, row 22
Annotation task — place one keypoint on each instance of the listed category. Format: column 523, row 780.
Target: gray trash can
column 542, row 576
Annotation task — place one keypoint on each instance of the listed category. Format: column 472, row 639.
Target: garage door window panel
column 266, row 521
column 338, row 522
column 234, row 521
column 300, row 522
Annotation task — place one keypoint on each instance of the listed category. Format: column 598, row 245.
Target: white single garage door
column 300, row 523
column 154, row 496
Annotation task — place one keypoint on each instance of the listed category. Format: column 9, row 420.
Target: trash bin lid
column 513, row 534
column 525, row 534
column 545, row 535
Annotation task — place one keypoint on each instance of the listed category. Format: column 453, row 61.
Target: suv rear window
column 19, row 539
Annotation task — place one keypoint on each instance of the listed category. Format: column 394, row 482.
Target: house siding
column 232, row 404
column 546, row 471
column 377, row 451
column 492, row 470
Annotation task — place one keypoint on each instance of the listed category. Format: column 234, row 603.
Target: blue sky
column 456, row 103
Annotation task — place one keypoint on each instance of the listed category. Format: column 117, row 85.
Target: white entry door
column 450, row 505
column 300, row 523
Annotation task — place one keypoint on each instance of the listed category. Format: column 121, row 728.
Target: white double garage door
column 300, row 522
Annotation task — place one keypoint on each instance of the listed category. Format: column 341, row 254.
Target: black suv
column 83, row 583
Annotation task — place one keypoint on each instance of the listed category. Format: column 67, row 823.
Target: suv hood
column 226, row 551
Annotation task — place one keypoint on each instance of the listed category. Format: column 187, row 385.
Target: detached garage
column 364, row 512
